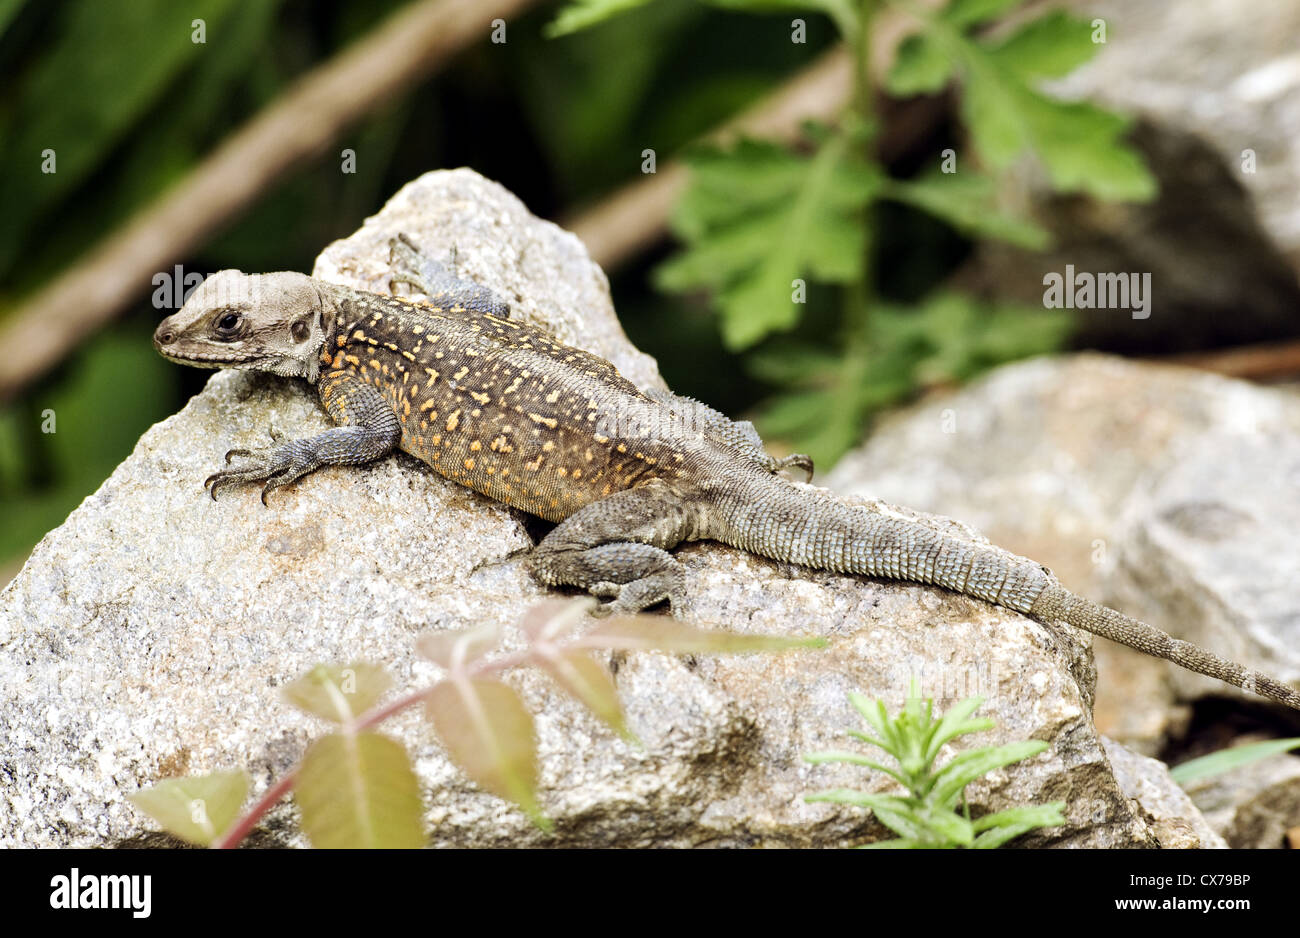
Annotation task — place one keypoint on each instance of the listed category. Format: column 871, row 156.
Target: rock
column 1218, row 123
column 1177, row 824
column 1230, row 74
column 1165, row 492
column 148, row 635
column 1253, row 806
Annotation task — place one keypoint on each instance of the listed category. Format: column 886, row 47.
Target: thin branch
column 636, row 216
column 297, row 126
column 1262, row 362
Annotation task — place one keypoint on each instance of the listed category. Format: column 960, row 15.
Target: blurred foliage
column 130, row 104
column 759, row 218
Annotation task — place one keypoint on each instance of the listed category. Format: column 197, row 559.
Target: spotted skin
column 495, row 404
column 506, row 409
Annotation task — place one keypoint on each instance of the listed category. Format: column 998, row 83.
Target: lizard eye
column 299, row 330
column 228, row 324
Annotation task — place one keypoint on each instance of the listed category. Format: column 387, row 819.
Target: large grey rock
column 1159, row 799
column 1228, row 71
column 148, row 635
column 1166, row 492
column 1214, row 91
column 1254, row 806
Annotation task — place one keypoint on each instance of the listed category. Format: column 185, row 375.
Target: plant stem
column 372, row 717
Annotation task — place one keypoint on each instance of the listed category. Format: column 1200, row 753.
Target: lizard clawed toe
column 276, row 467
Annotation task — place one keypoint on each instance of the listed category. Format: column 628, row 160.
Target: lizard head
column 260, row 322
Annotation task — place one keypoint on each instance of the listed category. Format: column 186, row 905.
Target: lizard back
column 501, row 406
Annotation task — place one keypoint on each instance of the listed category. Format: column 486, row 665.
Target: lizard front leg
column 617, row 548
column 370, row 429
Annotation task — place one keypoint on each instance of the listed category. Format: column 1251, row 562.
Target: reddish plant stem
column 244, row 826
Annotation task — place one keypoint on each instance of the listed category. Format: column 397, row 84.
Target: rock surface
column 147, row 636
column 1218, row 124
column 1169, row 810
column 1253, row 806
column 1165, row 492
column 1230, row 73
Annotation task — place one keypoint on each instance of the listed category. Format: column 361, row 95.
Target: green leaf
column 965, row 201
column 338, row 692
column 1078, row 143
column 897, row 843
column 457, row 649
column 967, row 766
column 581, row 14
column 969, row 12
column 947, row 825
column 198, row 809
column 8, row 10
column 488, row 733
column 1050, row 46
column 1007, row 825
column 853, row 758
column 653, row 633
column 359, row 791
column 956, row 721
column 1225, row 760
column 898, row 814
column 921, row 67
column 109, row 65
column 756, row 218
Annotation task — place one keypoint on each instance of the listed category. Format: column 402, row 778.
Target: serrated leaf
column 198, row 809
column 1225, row 760
column 338, row 692
column 590, row 683
column 757, row 218
column 457, row 649
column 652, row 633
column 967, row 766
column 359, row 790
column 921, row 66
column 1050, row 46
column 965, row 201
column 488, row 733
column 1079, row 144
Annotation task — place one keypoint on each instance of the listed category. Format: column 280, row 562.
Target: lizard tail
column 815, row 528
column 1055, row 603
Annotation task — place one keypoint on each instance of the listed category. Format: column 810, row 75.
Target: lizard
column 507, row 409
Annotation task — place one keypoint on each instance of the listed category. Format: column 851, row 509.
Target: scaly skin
column 504, row 408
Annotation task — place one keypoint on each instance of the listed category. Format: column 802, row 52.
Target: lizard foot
column 277, row 466
column 630, row 576
column 795, row 461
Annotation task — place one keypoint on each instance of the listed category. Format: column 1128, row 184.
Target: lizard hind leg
column 412, row 266
column 617, row 549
